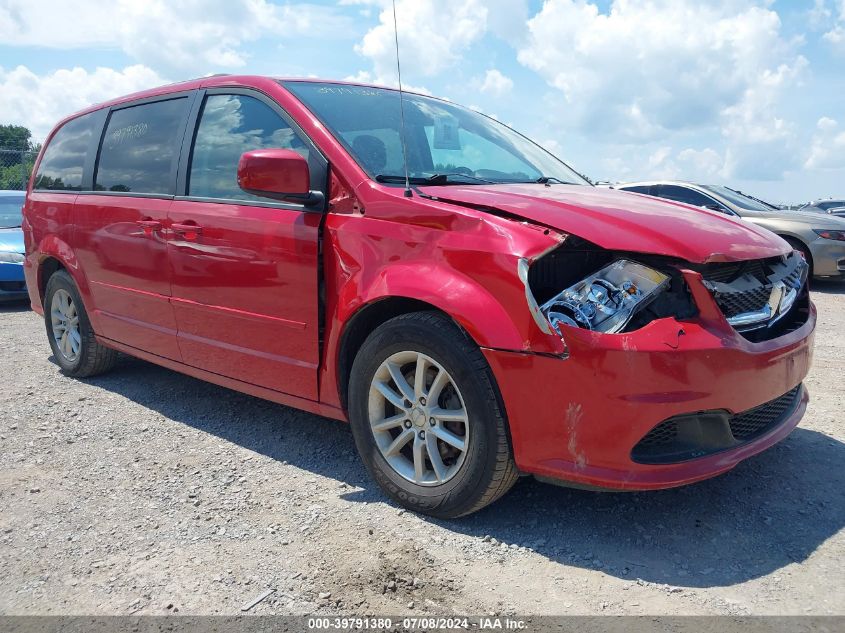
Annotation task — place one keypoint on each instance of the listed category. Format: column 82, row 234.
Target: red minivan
column 496, row 316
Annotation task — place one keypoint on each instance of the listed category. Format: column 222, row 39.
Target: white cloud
column 39, row 102
column 172, row 36
column 646, row 70
column 831, row 19
column 826, row 124
column 819, row 15
column 432, row 35
column 508, row 20
column 688, row 164
column 705, row 163
column 650, row 66
column 495, row 83
column 828, row 148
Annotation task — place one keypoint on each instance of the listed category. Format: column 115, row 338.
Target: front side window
column 442, row 138
column 231, row 125
column 61, row 166
column 140, row 148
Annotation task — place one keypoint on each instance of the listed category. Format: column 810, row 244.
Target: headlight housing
column 7, row 257
column 606, row 300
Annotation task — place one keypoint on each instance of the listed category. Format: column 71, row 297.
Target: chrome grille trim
column 760, row 298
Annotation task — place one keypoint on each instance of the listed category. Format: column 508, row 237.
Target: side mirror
column 281, row 174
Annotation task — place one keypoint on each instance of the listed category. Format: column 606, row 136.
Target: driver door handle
column 188, row 231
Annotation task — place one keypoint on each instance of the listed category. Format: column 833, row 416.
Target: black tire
column 92, row 358
column 488, row 470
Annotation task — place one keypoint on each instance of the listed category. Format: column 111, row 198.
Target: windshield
column 10, row 211
column 736, row 198
column 442, row 138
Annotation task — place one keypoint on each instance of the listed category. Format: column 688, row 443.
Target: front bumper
column 12, row 284
column 828, row 258
column 577, row 419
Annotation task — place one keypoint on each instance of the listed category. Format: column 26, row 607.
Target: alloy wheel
column 418, row 418
column 65, row 325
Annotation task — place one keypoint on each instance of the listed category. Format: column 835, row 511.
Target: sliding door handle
column 149, row 226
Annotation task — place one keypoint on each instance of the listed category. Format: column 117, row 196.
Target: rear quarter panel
column 48, row 229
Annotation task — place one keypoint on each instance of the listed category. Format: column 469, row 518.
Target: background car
column 831, row 206
column 12, row 284
column 820, row 238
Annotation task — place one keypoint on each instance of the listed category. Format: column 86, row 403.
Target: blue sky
column 746, row 93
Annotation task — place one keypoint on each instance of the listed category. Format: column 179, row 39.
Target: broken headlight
column 606, row 300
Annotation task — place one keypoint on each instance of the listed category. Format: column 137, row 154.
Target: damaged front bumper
column 578, row 419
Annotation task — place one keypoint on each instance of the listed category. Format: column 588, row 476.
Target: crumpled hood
column 11, row 240
column 619, row 220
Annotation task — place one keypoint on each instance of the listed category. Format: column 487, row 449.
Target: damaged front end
column 581, row 285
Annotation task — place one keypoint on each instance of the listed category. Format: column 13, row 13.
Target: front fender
column 471, row 305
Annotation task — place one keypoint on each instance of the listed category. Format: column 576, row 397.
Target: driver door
column 245, row 269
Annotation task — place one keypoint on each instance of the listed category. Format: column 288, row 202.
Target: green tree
column 15, row 137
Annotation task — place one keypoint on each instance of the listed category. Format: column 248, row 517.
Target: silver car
column 821, row 238
column 831, row 206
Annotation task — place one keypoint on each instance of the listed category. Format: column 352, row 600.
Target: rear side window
column 140, row 148
column 231, row 125
column 64, row 158
column 682, row 194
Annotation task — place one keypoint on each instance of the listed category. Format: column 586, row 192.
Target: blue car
column 12, row 284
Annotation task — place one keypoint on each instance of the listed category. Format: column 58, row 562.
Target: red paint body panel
column 245, row 293
column 288, row 400
column 127, row 270
column 258, row 298
column 578, row 418
column 48, row 230
column 273, row 171
column 619, row 220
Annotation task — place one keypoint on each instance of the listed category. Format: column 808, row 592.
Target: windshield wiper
column 436, row 179
column 546, row 180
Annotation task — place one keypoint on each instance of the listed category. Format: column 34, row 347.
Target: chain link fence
column 15, row 167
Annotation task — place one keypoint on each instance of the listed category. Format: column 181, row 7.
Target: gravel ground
column 145, row 491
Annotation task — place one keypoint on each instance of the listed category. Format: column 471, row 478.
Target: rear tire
column 446, row 478
column 69, row 331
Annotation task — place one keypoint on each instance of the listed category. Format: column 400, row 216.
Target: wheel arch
column 800, row 244
column 364, row 322
column 46, row 269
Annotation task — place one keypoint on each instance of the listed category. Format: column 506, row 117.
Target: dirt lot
column 145, row 491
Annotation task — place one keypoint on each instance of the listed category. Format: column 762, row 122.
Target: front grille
column 726, row 273
column 685, row 437
column 753, row 300
column 749, row 424
column 745, row 288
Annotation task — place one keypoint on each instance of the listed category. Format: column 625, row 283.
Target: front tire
column 805, row 251
column 427, row 418
column 69, row 331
